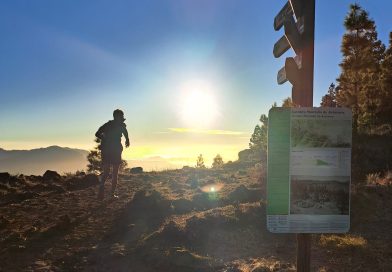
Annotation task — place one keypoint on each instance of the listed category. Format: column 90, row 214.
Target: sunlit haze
column 198, row 105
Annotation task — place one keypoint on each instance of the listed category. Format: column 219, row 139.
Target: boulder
column 91, row 179
column 50, row 175
column 242, row 194
column 136, row 170
column 245, row 155
column 80, row 173
column 4, row 177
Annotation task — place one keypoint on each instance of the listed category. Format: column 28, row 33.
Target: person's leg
column 104, row 176
column 114, row 177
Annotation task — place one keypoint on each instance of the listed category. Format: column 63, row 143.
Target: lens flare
column 212, row 188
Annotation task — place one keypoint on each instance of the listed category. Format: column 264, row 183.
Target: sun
column 198, row 106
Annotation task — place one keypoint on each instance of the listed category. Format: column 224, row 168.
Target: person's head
column 118, row 115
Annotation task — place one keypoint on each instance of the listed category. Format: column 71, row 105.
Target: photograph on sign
column 309, row 170
column 320, row 133
column 319, row 195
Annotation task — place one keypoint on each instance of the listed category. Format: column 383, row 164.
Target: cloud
column 207, row 131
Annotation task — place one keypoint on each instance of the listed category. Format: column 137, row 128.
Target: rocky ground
column 180, row 220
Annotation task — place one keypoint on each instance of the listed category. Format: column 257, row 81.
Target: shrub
column 218, row 162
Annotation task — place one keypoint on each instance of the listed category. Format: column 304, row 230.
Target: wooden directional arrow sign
column 281, row 77
column 292, row 71
column 281, row 46
column 292, row 33
column 279, row 19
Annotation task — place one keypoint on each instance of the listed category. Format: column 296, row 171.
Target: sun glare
column 198, row 106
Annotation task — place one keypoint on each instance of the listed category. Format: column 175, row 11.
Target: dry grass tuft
column 343, row 241
column 379, row 179
column 373, row 178
column 262, row 265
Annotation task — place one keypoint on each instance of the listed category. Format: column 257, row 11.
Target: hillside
column 178, row 220
column 36, row 161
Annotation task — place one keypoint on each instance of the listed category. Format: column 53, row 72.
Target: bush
column 218, row 162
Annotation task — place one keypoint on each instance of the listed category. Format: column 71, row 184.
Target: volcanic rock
column 136, row 170
column 4, row 177
column 50, row 175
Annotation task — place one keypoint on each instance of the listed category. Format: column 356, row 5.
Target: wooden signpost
column 300, row 36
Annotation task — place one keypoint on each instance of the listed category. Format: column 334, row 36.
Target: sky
column 191, row 76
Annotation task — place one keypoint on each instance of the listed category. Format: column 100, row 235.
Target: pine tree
column 200, row 162
column 258, row 140
column 360, row 77
column 218, row 162
column 95, row 160
column 288, row 103
column 386, row 86
column 329, row 100
column 264, row 132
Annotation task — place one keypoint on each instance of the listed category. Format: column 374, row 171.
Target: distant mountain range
column 37, row 161
column 63, row 159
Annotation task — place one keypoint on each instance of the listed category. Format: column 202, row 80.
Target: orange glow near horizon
column 183, row 154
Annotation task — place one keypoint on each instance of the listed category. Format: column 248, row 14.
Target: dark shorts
column 111, row 155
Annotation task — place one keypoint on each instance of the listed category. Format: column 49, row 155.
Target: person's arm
column 100, row 134
column 125, row 133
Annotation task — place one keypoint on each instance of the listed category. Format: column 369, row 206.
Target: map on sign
column 309, row 170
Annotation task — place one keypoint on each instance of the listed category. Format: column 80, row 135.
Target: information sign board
column 309, row 170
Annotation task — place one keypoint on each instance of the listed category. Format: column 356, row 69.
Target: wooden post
column 302, row 96
column 300, row 77
column 304, row 242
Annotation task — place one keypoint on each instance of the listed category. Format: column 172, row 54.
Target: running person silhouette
column 111, row 148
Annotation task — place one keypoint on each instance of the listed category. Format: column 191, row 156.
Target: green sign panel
column 309, row 170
